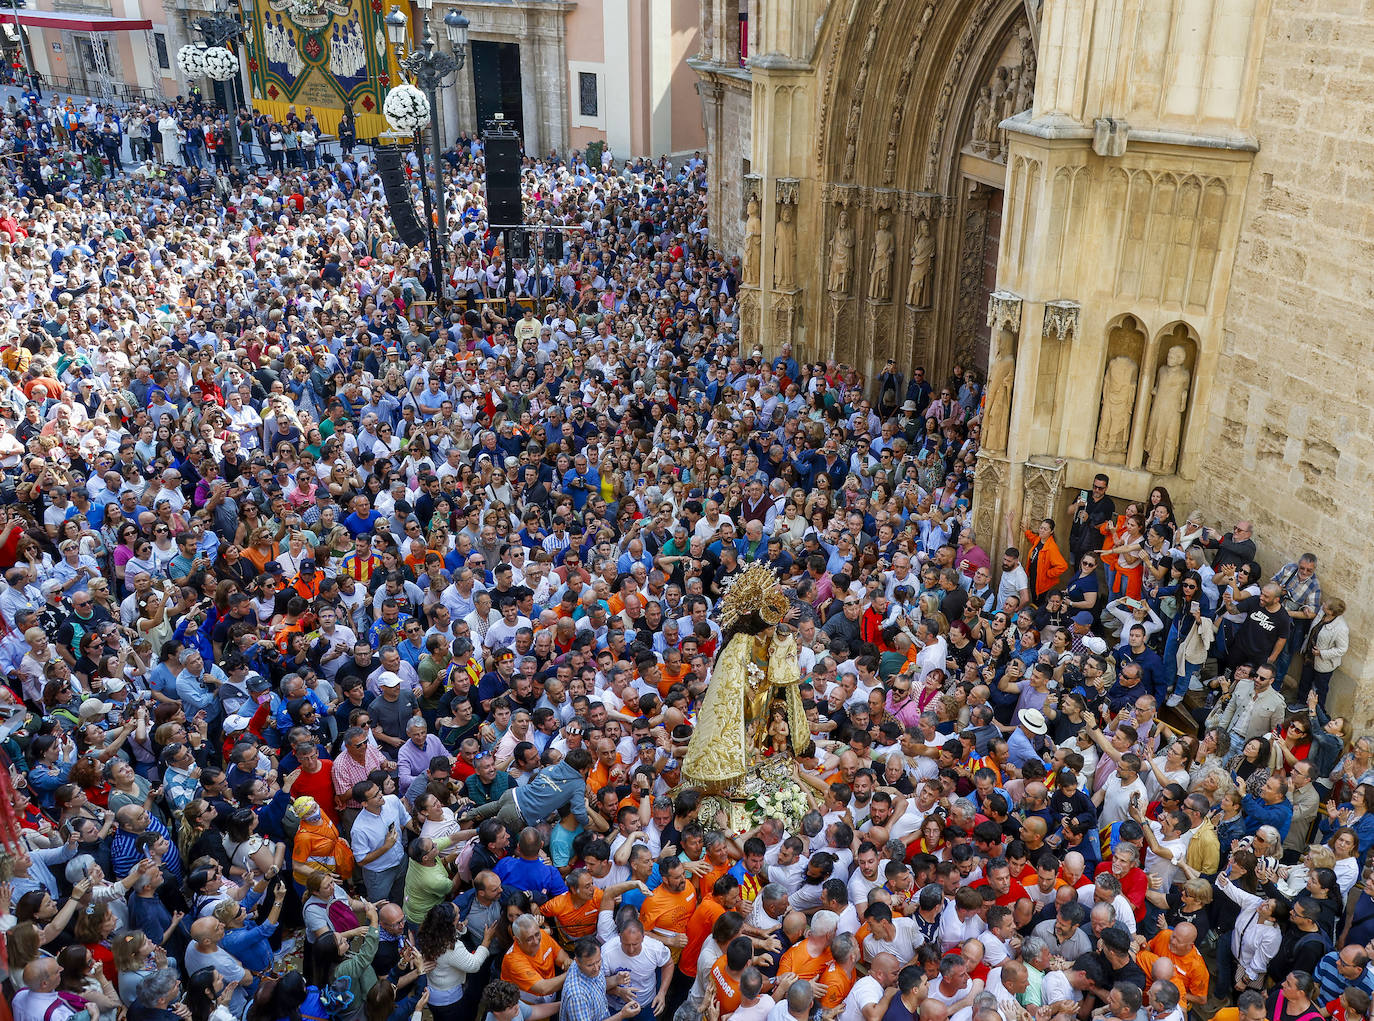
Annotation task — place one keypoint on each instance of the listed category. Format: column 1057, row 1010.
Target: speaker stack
column 504, row 208
column 398, row 201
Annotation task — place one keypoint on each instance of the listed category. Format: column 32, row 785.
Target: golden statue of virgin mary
column 754, row 680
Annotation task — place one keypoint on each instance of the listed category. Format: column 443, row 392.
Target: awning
column 75, row 22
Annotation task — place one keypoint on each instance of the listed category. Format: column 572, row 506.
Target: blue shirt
column 249, row 944
column 583, row 998
column 539, row 880
column 1020, row 750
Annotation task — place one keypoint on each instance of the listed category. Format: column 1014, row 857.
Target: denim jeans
column 1184, row 679
column 1170, row 659
column 1296, row 636
column 1312, row 678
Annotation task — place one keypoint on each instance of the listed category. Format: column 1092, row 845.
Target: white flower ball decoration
column 220, row 63
column 191, row 60
column 406, row 109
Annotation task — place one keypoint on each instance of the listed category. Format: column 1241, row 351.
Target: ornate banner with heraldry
column 322, row 54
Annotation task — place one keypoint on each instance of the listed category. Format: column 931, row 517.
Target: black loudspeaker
column 520, row 245
column 504, row 208
column 398, row 200
column 553, row 246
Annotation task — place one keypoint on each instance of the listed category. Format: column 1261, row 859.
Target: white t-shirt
column 866, row 992
column 1055, row 987
column 757, row 1011
column 1116, row 799
column 902, row 945
column 934, row 992
column 1012, row 583
column 1165, row 868
column 643, row 967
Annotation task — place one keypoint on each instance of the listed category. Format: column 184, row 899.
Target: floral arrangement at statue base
column 768, row 791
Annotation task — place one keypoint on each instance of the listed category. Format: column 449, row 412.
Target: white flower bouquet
column 191, row 60
column 406, row 109
column 787, row 802
column 220, row 63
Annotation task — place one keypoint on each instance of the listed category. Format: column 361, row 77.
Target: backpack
column 1281, row 963
column 465, row 859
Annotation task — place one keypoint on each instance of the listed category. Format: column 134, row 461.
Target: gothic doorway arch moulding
column 911, row 92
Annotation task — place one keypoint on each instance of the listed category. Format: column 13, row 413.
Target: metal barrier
column 97, row 90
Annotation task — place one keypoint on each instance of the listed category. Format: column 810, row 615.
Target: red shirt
column 1133, row 885
column 320, row 786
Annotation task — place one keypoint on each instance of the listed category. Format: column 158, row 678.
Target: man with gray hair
column 801, row 958
column 196, row 685
column 649, row 962
column 1164, row 999
column 157, row 995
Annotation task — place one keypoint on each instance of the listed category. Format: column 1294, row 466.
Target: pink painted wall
column 688, row 130
column 586, row 41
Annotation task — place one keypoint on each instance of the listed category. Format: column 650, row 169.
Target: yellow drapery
column 719, row 750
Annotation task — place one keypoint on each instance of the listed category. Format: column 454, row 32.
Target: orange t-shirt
column 524, row 970
column 667, row 678
column 727, row 988
column 837, row 984
column 1190, row 971
column 708, row 881
column 800, row 963
column 667, row 910
column 698, row 928
column 575, row 921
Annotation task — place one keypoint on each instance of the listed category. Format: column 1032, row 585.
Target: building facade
column 1148, row 221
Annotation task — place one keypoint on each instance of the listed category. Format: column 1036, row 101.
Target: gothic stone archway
column 911, row 93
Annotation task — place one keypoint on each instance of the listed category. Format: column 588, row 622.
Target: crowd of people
column 351, row 617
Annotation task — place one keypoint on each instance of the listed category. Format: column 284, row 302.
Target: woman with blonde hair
column 135, row 958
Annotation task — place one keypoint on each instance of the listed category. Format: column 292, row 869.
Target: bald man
column 871, row 995
column 205, row 952
column 1177, row 946
column 38, row 1000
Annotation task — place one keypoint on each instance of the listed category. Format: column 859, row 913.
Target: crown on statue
column 753, row 590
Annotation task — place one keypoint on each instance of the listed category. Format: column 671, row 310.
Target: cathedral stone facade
column 1148, row 223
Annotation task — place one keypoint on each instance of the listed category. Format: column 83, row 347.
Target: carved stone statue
column 922, row 262
column 841, row 256
column 997, row 401
column 1118, row 401
column 982, row 118
column 890, row 162
column 753, row 232
column 1166, row 413
column 1025, row 90
column 995, row 91
column 880, row 265
column 784, row 245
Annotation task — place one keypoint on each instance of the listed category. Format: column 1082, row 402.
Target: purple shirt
column 414, row 761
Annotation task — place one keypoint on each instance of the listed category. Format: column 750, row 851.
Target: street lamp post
column 428, row 67
column 221, row 29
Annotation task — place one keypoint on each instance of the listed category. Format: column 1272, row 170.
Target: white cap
column 388, row 679
column 235, row 723
column 114, row 684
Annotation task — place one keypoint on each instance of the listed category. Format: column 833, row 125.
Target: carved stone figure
column 890, row 162
column 997, row 402
column 995, row 98
column 841, row 256
column 753, row 233
column 1166, row 413
column 1118, row 401
column 1025, row 91
column 784, row 245
column 880, row 265
column 922, row 262
column 982, row 117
